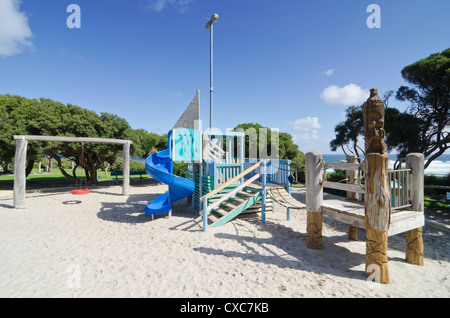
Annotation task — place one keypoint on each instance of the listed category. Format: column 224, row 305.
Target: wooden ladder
column 231, row 204
column 228, row 209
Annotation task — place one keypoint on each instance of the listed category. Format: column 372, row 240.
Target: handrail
column 231, row 193
column 236, row 178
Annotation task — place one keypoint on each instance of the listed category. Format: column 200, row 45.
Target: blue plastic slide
column 160, row 167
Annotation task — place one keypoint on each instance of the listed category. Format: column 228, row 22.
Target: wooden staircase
column 228, row 209
column 228, row 205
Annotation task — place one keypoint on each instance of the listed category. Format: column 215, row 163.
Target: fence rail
column 398, row 183
column 399, row 186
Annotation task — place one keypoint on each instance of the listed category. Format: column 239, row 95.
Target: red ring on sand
column 81, row 191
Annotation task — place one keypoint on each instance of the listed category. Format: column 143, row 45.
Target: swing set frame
column 21, row 155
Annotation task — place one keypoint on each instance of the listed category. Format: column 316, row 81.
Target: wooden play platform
column 352, row 213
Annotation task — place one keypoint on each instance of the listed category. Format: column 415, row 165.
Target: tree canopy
column 23, row 116
column 424, row 126
column 429, row 98
column 257, row 136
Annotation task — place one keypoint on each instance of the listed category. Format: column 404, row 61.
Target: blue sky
column 291, row 65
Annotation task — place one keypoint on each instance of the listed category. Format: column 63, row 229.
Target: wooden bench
column 352, row 213
column 141, row 175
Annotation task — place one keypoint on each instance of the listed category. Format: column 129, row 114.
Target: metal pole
column 264, row 192
column 211, row 78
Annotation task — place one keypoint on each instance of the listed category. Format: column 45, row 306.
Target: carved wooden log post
column 314, row 198
column 352, row 179
column 19, row 173
column 377, row 207
column 414, row 242
column 377, row 194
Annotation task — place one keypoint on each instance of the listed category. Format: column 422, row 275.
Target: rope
column 79, row 189
column 286, row 200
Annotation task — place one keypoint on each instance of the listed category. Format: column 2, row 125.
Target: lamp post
column 209, row 26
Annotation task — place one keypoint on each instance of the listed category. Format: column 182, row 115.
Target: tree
column 19, row 116
column 22, row 116
column 348, row 132
column 429, row 97
column 145, row 143
column 257, row 136
column 402, row 132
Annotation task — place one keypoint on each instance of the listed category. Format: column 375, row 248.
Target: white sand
column 102, row 245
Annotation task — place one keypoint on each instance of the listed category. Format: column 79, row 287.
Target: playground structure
column 406, row 185
column 222, row 185
column 216, row 168
column 225, row 186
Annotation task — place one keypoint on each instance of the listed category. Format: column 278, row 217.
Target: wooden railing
column 398, row 183
column 236, row 178
column 399, row 187
column 232, row 193
column 223, row 186
column 358, row 188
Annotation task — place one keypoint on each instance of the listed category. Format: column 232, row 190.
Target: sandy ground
column 102, row 245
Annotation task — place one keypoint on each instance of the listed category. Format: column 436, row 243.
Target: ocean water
column 438, row 167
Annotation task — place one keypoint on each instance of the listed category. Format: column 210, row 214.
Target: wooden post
column 288, row 212
column 205, row 214
column 19, row 173
column 126, row 169
column 314, row 198
column 414, row 242
column 377, row 214
column 377, row 194
column 352, row 179
column 264, row 191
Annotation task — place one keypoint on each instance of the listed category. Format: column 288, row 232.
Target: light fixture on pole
column 209, row 26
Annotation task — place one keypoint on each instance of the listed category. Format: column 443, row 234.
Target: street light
column 209, row 26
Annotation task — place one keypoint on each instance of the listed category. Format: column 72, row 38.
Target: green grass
column 434, row 204
column 55, row 175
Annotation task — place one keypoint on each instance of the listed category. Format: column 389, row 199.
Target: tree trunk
column 65, row 174
column 30, row 164
column 50, row 164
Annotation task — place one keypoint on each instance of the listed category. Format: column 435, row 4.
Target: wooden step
column 221, row 211
column 239, row 199
column 229, row 204
column 213, row 218
column 245, row 193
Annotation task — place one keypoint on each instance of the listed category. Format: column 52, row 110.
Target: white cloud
column 351, row 94
column 305, row 124
column 329, row 72
column 179, row 5
column 15, row 33
column 311, row 141
column 309, row 137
